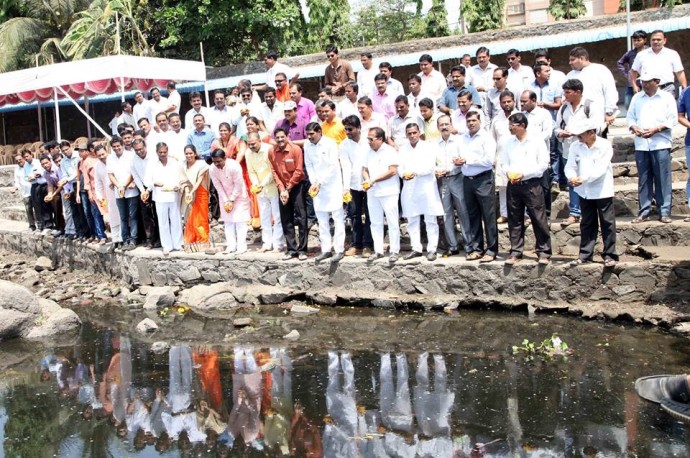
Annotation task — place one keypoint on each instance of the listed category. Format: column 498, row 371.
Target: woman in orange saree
column 196, row 196
column 235, row 148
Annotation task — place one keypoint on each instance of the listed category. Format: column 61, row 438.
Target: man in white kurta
column 164, row 177
column 226, row 175
column 322, row 162
column 500, row 131
column 420, row 196
column 383, row 187
column 105, row 196
column 266, row 191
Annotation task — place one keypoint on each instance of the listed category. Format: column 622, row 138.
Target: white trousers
column 116, row 233
column 414, row 229
column 378, row 208
column 236, row 237
column 169, row 225
column 271, row 234
column 338, row 240
column 503, row 200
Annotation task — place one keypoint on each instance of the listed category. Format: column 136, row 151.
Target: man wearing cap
column 590, row 173
column 291, row 124
column 658, row 58
column 651, row 117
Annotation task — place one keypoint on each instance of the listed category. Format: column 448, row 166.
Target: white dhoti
column 378, row 208
column 236, row 237
column 169, row 225
column 337, row 242
column 414, row 229
column 271, row 232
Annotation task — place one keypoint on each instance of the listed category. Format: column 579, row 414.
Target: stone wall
column 630, row 282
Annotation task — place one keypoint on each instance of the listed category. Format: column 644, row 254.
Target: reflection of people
column 181, row 417
column 432, row 408
column 246, row 396
column 396, row 409
column 340, row 431
column 671, row 391
column 277, row 420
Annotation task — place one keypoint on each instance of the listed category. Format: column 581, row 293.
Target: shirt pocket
column 290, row 165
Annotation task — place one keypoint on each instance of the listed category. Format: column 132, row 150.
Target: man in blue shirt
column 624, row 64
column 449, row 99
column 201, row 137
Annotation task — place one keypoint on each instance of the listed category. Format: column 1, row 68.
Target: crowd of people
column 482, row 146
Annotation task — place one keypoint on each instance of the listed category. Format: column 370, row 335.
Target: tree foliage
column 389, row 21
column 567, row 9
column 483, row 14
column 328, row 21
column 231, row 31
column 437, row 20
column 641, row 5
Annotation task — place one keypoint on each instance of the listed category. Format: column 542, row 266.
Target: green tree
column 37, row 33
column 483, row 14
column 567, row 9
column 95, row 32
column 388, row 21
column 328, row 20
column 8, row 9
column 437, row 20
column 231, row 31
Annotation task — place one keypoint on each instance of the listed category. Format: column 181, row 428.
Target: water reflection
column 110, row 396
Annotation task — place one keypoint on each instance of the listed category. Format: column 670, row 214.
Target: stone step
column 9, row 197
column 7, row 175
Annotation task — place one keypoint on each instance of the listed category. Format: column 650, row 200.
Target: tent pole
column 40, row 121
column 4, row 131
column 100, row 129
column 203, row 61
column 86, row 108
column 122, row 89
column 58, row 134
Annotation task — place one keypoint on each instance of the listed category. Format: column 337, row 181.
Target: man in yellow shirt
column 331, row 126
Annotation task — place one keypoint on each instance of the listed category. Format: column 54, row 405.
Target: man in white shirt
column 127, row 116
column 433, row 81
column 348, row 106
column 119, row 168
column 519, row 76
column 483, row 72
column 477, row 156
column 23, row 187
column 598, row 82
column 465, row 105
column 541, row 57
column 353, row 156
column 575, row 108
column 273, row 67
column 140, row 109
column 663, row 61
column 540, row 124
column 365, row 77
column 524, row 159
column 220, row 112
column 466, row 62
column 589, row 171
column 140, row 162
column 322, row 162
column 394, row 87
column 114, row 123
column 499, row 132
column 164, row 175
column 177, row 138
column 369, row 117
column 492, row 104
column 174, row 99
column 414, row 84
column 651, row 117
column 271, row 109
column 397, row 124
column 157, row 104
column 197, row 108
column 449, row 174
column 381, row 182
column 420, row 196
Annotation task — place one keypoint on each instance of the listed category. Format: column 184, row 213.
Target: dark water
column 457, row 385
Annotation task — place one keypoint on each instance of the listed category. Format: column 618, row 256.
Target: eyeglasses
column 279, row 81
column 509, row 59
column 370, row 139
column 498, row 79
column 330, row 55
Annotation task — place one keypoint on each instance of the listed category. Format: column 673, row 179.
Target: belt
column 526, row 182
column 479, row 175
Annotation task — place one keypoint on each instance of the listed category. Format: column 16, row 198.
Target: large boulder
column 159, row 297
column 23, row 314
column 203, row 298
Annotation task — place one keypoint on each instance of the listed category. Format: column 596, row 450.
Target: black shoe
column 323, row 256
column 431, row 256
column 338, row 257
column 32, row 228
column 411, row 255
column 449, row 253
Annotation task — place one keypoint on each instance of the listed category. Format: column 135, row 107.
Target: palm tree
column 60, row 30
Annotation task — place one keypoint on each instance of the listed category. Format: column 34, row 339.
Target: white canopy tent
column 102, row 75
